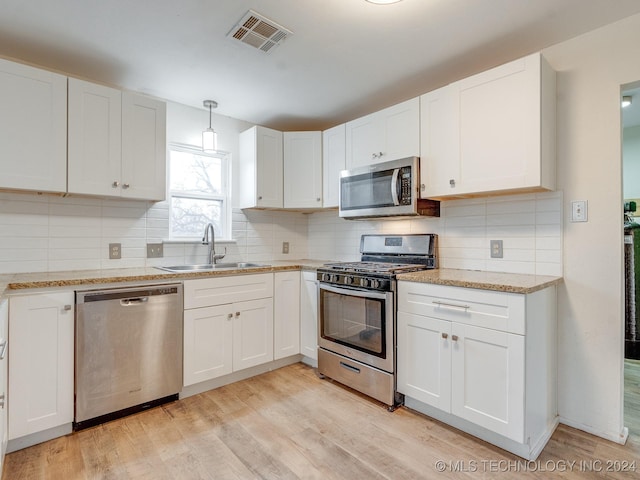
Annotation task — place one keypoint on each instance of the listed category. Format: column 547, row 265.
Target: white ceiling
column 344, row 59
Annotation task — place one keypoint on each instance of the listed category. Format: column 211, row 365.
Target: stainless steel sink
column 207, row 267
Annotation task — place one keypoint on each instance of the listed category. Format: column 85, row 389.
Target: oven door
column 358, row 324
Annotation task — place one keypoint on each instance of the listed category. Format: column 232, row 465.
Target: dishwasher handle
column 128, row 302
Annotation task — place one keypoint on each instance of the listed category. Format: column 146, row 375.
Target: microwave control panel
column 405, row 186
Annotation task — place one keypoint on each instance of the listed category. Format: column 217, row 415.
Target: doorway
column 631, row 211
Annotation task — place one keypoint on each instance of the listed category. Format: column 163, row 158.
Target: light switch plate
column 154, row 250
column 579, row 211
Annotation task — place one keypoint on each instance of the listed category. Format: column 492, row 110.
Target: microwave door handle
column 394, row 186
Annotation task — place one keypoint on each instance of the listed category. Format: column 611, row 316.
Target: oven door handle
column 354, row 292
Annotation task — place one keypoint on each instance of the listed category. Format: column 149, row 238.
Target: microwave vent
column 259, row 32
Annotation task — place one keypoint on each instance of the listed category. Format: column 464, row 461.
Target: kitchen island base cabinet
column 228, row 325
column 40, row 367
column 481, row 361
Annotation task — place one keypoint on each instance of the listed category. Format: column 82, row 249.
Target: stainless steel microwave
column 388, row 189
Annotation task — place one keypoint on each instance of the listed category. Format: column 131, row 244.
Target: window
column 198, row 192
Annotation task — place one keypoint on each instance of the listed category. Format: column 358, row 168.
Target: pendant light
column 209, row 136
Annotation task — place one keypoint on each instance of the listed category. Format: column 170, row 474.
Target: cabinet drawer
column 218, row 291
column 496, row 310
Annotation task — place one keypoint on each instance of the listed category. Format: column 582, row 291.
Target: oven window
column 353, row 321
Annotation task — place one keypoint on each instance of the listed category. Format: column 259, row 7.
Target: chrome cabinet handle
column 451, row 305
column 454, row 338
column 423, row 187
column 3, row 349
column 2, row 401
column 125, row 185
column 115, row 184
column 67, row 307
column 445, row 335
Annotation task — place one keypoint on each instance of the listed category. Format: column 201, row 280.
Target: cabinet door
column 33, row 128
column 363, row 143
column 487, row 372
column 208, row 341
column 286, row 316
column 309, row 315
column 40, row 362
column 439, row 153
column 144, row 147
column 4, row 343
column 401, row 131
column 500, row 112
column 252, row 333
column 424, row 359
column 333, row 162
column 302, row 169
column 95, row 138
column 269, row 168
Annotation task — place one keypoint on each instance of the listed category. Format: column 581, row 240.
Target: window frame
column 225, row 198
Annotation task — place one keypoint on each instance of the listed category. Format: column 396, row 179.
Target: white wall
column 631, row 162
column 591, row 69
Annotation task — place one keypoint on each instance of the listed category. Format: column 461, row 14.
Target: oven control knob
column 348, row 280
column 375, row 283
column 364, row 282
column 333, row 278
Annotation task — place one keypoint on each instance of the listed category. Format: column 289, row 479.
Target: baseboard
column 39, row 437
column 620, row 438
column 202, row 387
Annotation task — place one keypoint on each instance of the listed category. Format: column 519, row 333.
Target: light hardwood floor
column 289, row 424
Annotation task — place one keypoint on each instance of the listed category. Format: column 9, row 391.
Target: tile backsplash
column 40, row 233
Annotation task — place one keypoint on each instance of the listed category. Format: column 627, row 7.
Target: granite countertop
column 501, row 282
column 9, row 283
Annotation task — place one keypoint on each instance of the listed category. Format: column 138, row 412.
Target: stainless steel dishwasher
column 128, row 351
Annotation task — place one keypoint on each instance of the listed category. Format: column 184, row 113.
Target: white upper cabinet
column 95, row 138
column 333, row 162
column 385, row 135
column 492, row 132
column 261, row 168
column 144, row 147
column 33, row 128
column 117, row 143
column 302, row 169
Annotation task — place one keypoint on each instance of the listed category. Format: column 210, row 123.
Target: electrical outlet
column 115, row 251
column 579, row 211
column 154, row 250
column 285, row 247
column 496, row 249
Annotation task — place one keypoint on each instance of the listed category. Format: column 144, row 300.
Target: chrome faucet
column 210, row 239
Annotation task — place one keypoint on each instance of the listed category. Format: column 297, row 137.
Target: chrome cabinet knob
column 452, row 183
column 454, row 338
column 125, row 185
column 318, row 199
column 445, row 335
column 260, row 197
column 115, row 184
column 230, row 316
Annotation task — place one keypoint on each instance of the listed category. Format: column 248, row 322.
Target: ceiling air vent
column 259, row 32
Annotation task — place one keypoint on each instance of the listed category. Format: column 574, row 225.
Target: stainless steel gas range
column 357, row 312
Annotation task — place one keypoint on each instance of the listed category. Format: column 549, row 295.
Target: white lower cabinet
column 228, row 332
column 481, row 361
column 309, row 315
column 40, row 362
column 286, row 314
